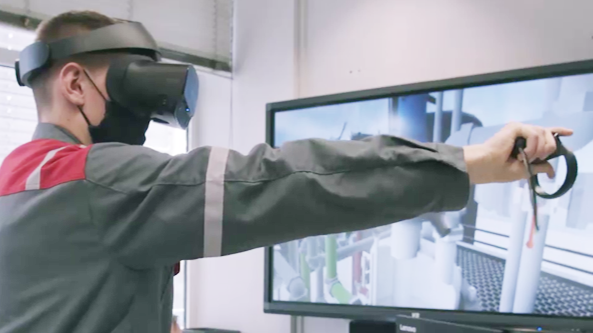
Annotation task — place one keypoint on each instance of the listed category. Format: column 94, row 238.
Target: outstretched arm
column 151, row 208
column 154, row 209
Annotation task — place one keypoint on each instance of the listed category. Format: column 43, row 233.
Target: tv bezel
column 370, row 312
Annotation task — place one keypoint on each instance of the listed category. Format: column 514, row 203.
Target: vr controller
column 571, row 168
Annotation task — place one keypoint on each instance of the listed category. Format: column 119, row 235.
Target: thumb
column 543, row 168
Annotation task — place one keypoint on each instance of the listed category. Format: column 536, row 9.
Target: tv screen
column 485, row 263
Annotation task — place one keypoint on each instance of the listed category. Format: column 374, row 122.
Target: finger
column 549, row 145
column 543, row 168
column 540, row 152
column 562, row 131
column 532, row 137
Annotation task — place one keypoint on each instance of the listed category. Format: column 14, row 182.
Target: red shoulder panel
column 42, row 164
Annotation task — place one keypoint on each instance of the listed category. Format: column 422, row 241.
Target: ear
column 70, row 81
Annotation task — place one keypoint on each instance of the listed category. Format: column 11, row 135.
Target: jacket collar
column 51, row 131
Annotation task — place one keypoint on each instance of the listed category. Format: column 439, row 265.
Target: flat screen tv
column 481, row 265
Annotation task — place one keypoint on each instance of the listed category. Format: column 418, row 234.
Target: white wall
column 263, row 64
column 359, row 44
column 210, row 125
column 388, row 42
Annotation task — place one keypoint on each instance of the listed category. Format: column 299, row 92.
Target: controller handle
column 571, row 168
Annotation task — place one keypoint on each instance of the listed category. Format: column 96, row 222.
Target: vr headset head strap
column 129, row 37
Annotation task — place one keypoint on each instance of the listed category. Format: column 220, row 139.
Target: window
column 18, row 118
column 18, row 115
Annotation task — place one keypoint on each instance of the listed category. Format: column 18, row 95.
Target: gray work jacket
column 89, row 235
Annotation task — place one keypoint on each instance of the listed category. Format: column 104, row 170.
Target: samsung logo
column 405, row 328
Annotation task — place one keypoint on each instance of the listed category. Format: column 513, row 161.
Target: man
column 90, row 233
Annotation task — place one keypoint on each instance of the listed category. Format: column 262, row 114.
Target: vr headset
column 167, row 93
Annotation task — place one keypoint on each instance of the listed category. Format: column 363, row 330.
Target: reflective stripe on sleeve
column 34, row 180
column 214, row 202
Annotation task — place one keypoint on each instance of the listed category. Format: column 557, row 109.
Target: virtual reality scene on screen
column 488, row 257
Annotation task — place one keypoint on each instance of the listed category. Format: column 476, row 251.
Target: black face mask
column 119, row 125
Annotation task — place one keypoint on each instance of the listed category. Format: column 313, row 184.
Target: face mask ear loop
column 84, row 116
column 94, row 85
column 100, row 93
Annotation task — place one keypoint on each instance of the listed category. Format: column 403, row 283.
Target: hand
column 491, row 162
